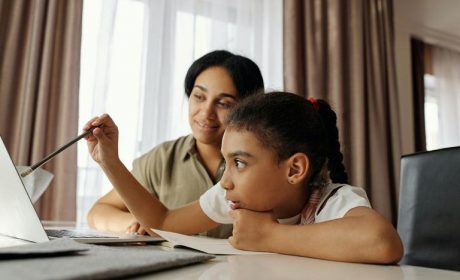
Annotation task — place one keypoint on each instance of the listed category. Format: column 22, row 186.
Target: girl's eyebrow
column 239, row 154
column 223, row 94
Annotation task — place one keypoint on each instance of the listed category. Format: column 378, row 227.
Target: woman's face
column 211, row 99
column 254, row 179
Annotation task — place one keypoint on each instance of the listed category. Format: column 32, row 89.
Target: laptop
column 18, row 218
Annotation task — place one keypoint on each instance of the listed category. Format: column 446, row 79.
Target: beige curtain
column 343, row 51
column 39, row 82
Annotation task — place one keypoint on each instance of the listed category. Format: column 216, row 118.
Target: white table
column 290, row 267
column 275, row 266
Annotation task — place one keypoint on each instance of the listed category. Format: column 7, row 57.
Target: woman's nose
column 208, row 110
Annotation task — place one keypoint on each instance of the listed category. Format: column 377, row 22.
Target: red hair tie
column 315, row 104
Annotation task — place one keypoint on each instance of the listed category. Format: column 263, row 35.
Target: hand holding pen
column 53, row 154
column 103, row 142
column 102, row 136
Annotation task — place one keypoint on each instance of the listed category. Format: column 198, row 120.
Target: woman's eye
column 198, row 97
column 225, row 104
column 239, row 164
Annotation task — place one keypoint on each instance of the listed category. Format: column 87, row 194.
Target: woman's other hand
column 136, row 228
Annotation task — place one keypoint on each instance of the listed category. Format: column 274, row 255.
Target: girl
column 178, row 172
column 283, row 187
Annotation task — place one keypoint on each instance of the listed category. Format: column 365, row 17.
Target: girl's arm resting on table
column 149, row 211
column 362, row 235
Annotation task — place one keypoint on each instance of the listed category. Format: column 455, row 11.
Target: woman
column 178, row 172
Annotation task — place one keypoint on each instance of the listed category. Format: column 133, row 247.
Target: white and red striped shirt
column 331, row 203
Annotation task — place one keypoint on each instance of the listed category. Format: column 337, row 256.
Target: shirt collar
column 189, row 147
column 290, row 221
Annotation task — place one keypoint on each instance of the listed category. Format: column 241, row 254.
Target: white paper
column 205, row 244
column 36, row 182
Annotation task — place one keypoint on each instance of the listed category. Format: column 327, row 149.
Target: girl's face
column 253, row 177
column 212, row 97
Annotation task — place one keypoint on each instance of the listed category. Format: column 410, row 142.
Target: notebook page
column 205, row 244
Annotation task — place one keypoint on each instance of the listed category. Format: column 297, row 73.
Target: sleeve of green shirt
column 142, row 171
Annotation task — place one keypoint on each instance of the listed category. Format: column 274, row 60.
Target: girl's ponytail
column 335, row 157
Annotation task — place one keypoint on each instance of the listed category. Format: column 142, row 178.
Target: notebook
column 204, row 244
column 18, row 218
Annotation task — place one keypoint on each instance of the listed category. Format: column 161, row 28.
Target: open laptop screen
column 17, row 214
column 18, row 217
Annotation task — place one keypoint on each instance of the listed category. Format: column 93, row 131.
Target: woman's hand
column 136, row 228
column 103, row 142
column 251, row 230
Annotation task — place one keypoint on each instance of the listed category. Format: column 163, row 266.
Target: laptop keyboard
column 58, row 233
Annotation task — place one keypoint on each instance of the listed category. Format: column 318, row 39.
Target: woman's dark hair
column 287, row 124
column 244, row 72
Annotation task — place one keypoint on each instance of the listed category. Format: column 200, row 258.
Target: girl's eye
column 239, row 164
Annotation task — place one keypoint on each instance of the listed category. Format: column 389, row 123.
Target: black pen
column 50, row 156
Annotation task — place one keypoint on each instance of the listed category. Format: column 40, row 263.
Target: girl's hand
column 251, row 229
column 103, row 142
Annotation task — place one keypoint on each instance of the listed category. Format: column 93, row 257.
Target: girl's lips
column 234, row 204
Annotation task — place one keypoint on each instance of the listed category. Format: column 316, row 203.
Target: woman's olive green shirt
column 173, row 172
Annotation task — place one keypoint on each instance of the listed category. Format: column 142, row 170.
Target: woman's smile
column 205, row 126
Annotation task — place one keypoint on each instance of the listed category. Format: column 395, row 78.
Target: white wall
column 434, row 21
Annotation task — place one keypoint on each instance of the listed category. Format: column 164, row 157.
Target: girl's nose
column 225, row 181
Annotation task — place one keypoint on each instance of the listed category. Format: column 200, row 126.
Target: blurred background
column 391, row 70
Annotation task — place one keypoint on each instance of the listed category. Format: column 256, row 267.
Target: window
column 135, row 54
column 442, row 98
column 431, row 113
column 110, row 81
